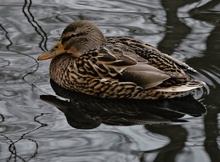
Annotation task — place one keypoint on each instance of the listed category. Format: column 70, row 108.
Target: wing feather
column 129, row 69
column 144, row 75
column 128, row 60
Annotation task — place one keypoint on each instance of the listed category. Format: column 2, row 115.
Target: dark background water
column 33, row 130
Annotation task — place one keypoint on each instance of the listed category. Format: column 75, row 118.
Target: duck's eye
column 67, row 38
column 73, row 35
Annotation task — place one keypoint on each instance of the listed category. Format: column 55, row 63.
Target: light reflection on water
column 33, row 130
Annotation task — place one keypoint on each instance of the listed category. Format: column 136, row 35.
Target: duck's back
column 128, row 68
column 147, row 54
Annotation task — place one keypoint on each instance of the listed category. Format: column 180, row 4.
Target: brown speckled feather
column 116, row 67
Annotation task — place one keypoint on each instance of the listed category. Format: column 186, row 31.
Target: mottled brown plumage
column 116, row 67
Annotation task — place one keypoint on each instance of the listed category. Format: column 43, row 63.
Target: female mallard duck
column 86, row 61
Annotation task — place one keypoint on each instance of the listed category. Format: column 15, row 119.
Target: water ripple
column 32, row 130
column 82, row 145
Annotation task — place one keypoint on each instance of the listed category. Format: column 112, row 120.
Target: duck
column 86, row 61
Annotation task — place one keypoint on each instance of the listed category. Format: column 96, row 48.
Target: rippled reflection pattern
column 88, row 112
column 33, row 130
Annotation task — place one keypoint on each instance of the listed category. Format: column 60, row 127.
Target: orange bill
column 46, row 55
column 56, row 50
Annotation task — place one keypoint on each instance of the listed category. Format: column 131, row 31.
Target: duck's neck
column 58, row 68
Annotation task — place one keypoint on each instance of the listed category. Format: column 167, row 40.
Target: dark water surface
column 34, row 130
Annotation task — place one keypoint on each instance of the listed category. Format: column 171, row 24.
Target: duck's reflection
column 87, row 112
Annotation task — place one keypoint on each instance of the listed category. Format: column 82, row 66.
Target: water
column 34, row 130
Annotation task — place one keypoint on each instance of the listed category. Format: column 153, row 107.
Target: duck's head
column 77, row 38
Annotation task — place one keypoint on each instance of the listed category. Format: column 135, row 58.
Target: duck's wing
column 120, row 63
column 124, row 59
column 181, row 64
column 125, row 66
column 152, row 54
